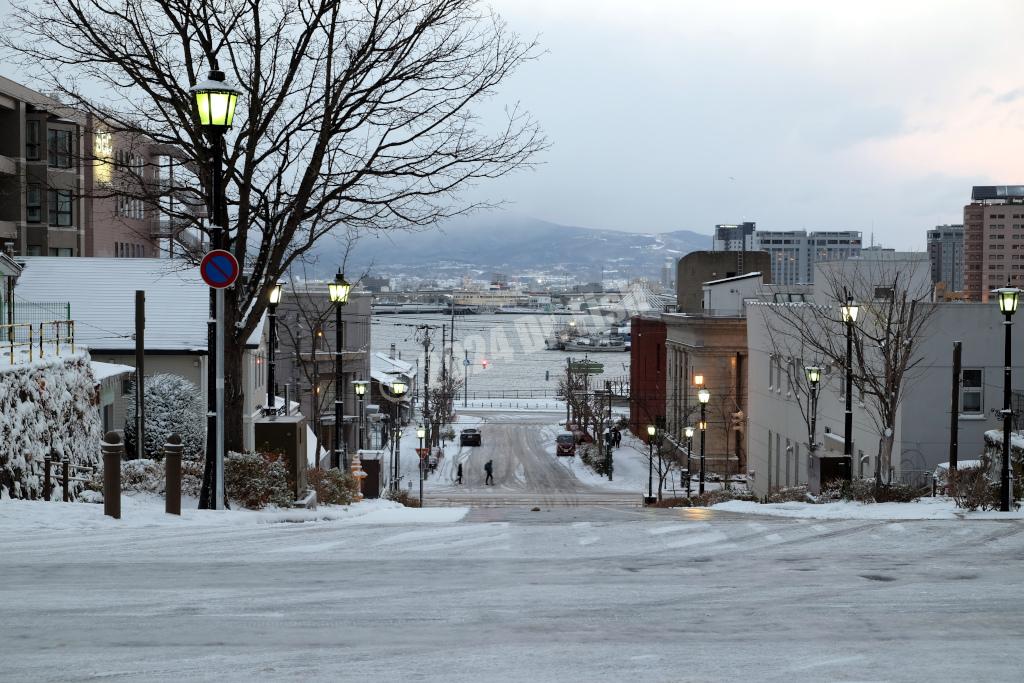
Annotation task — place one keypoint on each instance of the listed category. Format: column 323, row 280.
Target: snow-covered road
column 564, row 594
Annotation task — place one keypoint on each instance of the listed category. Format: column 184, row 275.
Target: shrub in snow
column 403, row 497
column 590, row 457
column 173, row 406
column 972, row 489
column 332, row 486
column 255, row 480
column 47, row 406
column 865, row 491
column 792, row 494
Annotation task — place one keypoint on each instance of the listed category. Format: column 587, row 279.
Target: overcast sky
column 669, row 114
column 864, row 115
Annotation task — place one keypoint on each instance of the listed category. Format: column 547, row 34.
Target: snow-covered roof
column 8, row 266
column 745, row 276
column 385, row 369
column 101, row 292
column 102, row 371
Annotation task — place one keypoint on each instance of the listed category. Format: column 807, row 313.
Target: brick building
column 647, row 373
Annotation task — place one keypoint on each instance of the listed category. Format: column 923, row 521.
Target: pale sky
column 818, row 114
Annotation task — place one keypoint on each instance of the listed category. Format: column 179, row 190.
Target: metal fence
column 26, row 342
column 34, row 312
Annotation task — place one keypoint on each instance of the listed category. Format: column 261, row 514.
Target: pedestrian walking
column 618, row 437
column 458, row 475
column 489, row 469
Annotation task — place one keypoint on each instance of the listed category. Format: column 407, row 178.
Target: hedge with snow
column 47, row 405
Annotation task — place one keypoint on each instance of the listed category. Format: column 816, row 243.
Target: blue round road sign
column 219, row 269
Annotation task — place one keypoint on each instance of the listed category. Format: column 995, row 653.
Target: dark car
column 469, row 437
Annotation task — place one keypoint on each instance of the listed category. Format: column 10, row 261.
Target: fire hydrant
column 357, row 472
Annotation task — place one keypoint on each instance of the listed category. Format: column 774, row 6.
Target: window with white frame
column 971, row 391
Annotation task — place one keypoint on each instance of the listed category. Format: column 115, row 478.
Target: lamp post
column 1007, row 297
column 275, row 299
column 703, row 395
column 813, row 373
column 421, row 432
column 689, row 449
column 360, row 387
column 339, row 290
column 651, row 431
column 398, row 389
column 215, row 102
column 850, row 311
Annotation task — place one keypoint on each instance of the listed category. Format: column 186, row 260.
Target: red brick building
column 647, row 373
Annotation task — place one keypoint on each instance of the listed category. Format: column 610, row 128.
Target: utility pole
column 140, row 373
column 465, row 381
column 954, row 411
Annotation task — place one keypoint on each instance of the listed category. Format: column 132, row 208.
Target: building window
column 59, row 144
column 33, row 204
column 971, row 391
column 60, row 207
column 771, row 372
column 61, row 251
column 32, row 140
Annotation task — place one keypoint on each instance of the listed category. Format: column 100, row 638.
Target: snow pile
column 147, row 511
column 924, row 508
column 47, row 407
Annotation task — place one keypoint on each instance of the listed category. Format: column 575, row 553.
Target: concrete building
column 305, row 357
column 946, row 253
column 794, row 253
column 712, row 343
column 734, row 237
column 993, row 240
column 777, row 434
column 698, row 267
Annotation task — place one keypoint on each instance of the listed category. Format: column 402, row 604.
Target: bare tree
column 354, row 114
column 894, row 313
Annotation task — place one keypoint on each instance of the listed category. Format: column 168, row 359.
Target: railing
column 31, row 339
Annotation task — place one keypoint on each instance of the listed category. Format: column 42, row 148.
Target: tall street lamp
column 360, row 388
column 339, row 290
column 850, row 311
column 421, row 432
column 651, row 431
column 1007, row 297
column 214, row 100
column 274, row 299
column 703, row 395
column 689, row 449
column 813, row 373
column 398, row 389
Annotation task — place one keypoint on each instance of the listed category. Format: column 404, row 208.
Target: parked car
column 565, row 444
column 469, row 437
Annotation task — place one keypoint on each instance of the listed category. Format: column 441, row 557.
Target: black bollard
column 172, row 471
column 113, row 451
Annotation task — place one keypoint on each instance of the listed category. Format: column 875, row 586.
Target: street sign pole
column 220, row 400
column 219, row 269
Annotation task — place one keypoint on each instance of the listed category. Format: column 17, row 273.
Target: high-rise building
column 993, row 239
column 794, row 252
column 734, row 237
column 946, row 253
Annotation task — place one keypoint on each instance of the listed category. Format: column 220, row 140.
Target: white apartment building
column 777, row 432
column 794, row 253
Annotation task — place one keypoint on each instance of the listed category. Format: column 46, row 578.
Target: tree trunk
column 234, row 396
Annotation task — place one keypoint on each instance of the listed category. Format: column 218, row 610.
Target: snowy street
column 599, row 593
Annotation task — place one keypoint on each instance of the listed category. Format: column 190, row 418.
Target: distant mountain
column 514, row 245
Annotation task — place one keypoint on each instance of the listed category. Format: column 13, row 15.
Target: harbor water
column 518, row 362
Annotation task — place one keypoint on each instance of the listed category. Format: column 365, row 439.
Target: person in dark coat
column 458, row 474
column 618, row 437
column 489, row 469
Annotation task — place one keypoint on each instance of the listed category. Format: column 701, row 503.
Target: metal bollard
column 113, row 451
column 172, row 470
column 65, row 467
